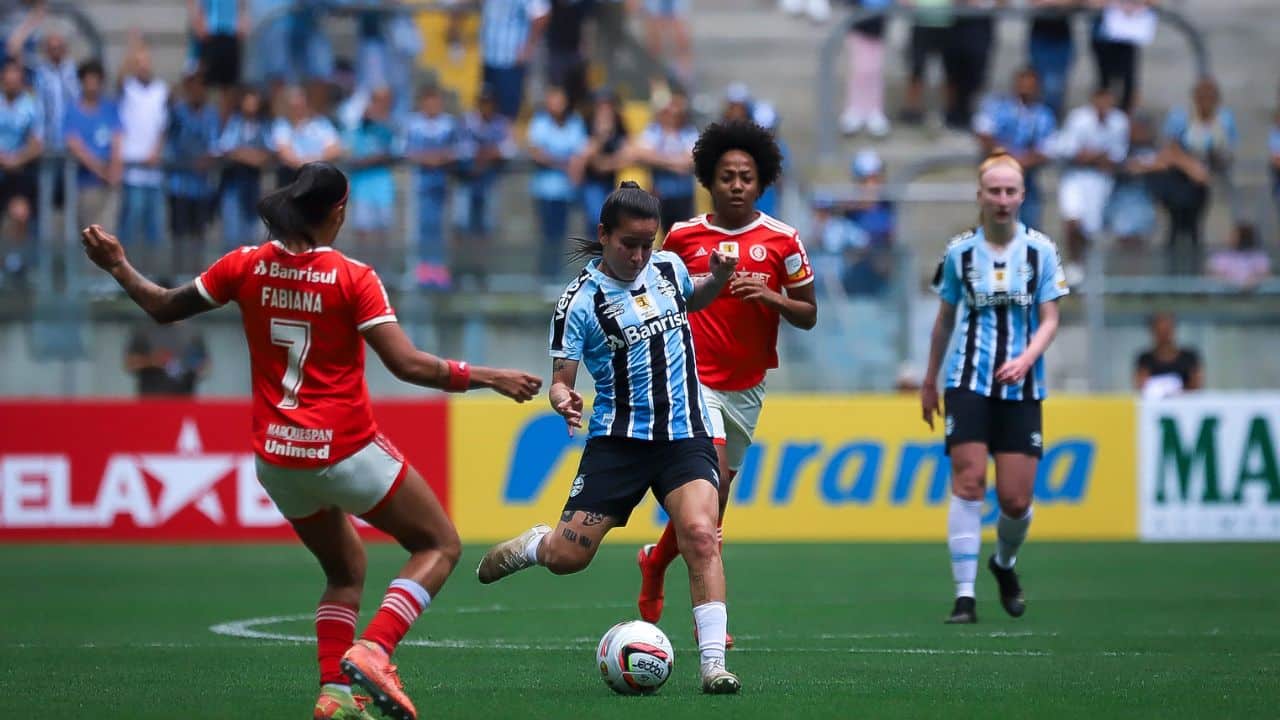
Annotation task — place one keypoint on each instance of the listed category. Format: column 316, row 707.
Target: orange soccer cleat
column 368, row 666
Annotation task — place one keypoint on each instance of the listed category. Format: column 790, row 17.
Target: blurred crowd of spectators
column 178, row 169
column 1119, row 165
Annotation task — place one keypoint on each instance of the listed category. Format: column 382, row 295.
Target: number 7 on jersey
column 295, row 337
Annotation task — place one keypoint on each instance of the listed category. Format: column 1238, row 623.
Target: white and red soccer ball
column 635, row 658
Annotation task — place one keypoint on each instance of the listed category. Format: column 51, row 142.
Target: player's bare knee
column 967, row 483
column 698, row 540
column 450, row 546
column 1014, row 507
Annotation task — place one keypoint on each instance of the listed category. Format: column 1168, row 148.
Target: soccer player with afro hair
column 737, row 335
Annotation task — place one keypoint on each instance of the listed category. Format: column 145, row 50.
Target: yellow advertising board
column 823, row 468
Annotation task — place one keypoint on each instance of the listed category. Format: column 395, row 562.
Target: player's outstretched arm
column 706, row 288
column 421, row 368
column 164, row 305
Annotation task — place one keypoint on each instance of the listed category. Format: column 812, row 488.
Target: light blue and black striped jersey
column 634, row 339
column 999, row 292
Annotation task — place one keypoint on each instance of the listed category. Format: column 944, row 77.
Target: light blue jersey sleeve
column 1053, row 282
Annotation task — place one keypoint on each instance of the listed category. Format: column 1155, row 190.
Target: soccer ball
column 635, row 658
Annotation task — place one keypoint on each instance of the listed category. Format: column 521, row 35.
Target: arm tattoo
column 584, row 541
column 592, row 518
column 566, row 516
column 558, row 364
column 570, row 535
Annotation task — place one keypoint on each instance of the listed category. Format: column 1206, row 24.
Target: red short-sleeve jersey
column 303, row 316
column 737, row 341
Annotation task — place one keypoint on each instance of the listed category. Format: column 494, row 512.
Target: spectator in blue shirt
column 302, row 136
column 93, row 139
column 269, row 62
column 245, row 146
column 189, row 147
column 310, row 51
column 388, row 44
column 485, row 148
column 1198, row 144
column 666, row 147
column 57, row 86
column 1051, row 49
column 509, row 33
column 431, row 143
column 1024, row 127
column 608, row 151
column 557, row 139
column 21, row 142
column 868, row 265
column 370, row 146
column 218, row 26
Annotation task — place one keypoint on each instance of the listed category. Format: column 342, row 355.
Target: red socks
column 335, row 632
column 404, row 602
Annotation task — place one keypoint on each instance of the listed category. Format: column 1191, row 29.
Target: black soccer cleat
column 1010, row 590
column 964, row 613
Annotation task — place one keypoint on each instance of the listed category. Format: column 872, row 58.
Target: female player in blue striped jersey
column 626, row 318
column 1003, row 279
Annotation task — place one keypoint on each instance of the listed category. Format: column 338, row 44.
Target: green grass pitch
column 824, row 631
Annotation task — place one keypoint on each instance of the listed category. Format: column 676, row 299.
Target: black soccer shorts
column 1006, row 426
column 615, row 472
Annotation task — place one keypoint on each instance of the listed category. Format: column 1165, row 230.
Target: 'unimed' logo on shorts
column 577, row 486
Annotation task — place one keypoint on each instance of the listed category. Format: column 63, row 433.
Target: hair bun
column 629, row 184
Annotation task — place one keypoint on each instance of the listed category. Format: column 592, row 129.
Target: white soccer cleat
column 716, row 680
column 508, row 557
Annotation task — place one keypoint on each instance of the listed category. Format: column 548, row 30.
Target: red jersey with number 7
column 736, row 341
column 303, row 316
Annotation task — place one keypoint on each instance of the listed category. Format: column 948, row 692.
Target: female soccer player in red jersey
column 307, row 311
column 736, row 337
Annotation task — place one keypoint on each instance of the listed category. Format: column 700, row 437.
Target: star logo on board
column 188, row 476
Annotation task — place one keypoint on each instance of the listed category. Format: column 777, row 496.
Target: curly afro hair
column 750, row 138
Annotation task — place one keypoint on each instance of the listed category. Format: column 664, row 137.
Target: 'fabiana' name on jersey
column 283, row 299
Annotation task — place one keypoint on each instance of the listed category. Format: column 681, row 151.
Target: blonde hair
column 999, row 156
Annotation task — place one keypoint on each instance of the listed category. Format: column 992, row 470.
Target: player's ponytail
column 629, row 200
column 294, row 210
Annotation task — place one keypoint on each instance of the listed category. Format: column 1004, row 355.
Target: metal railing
column 828, row 89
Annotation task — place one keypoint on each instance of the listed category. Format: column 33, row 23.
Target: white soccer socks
column 964, row 540
column 712, row 621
